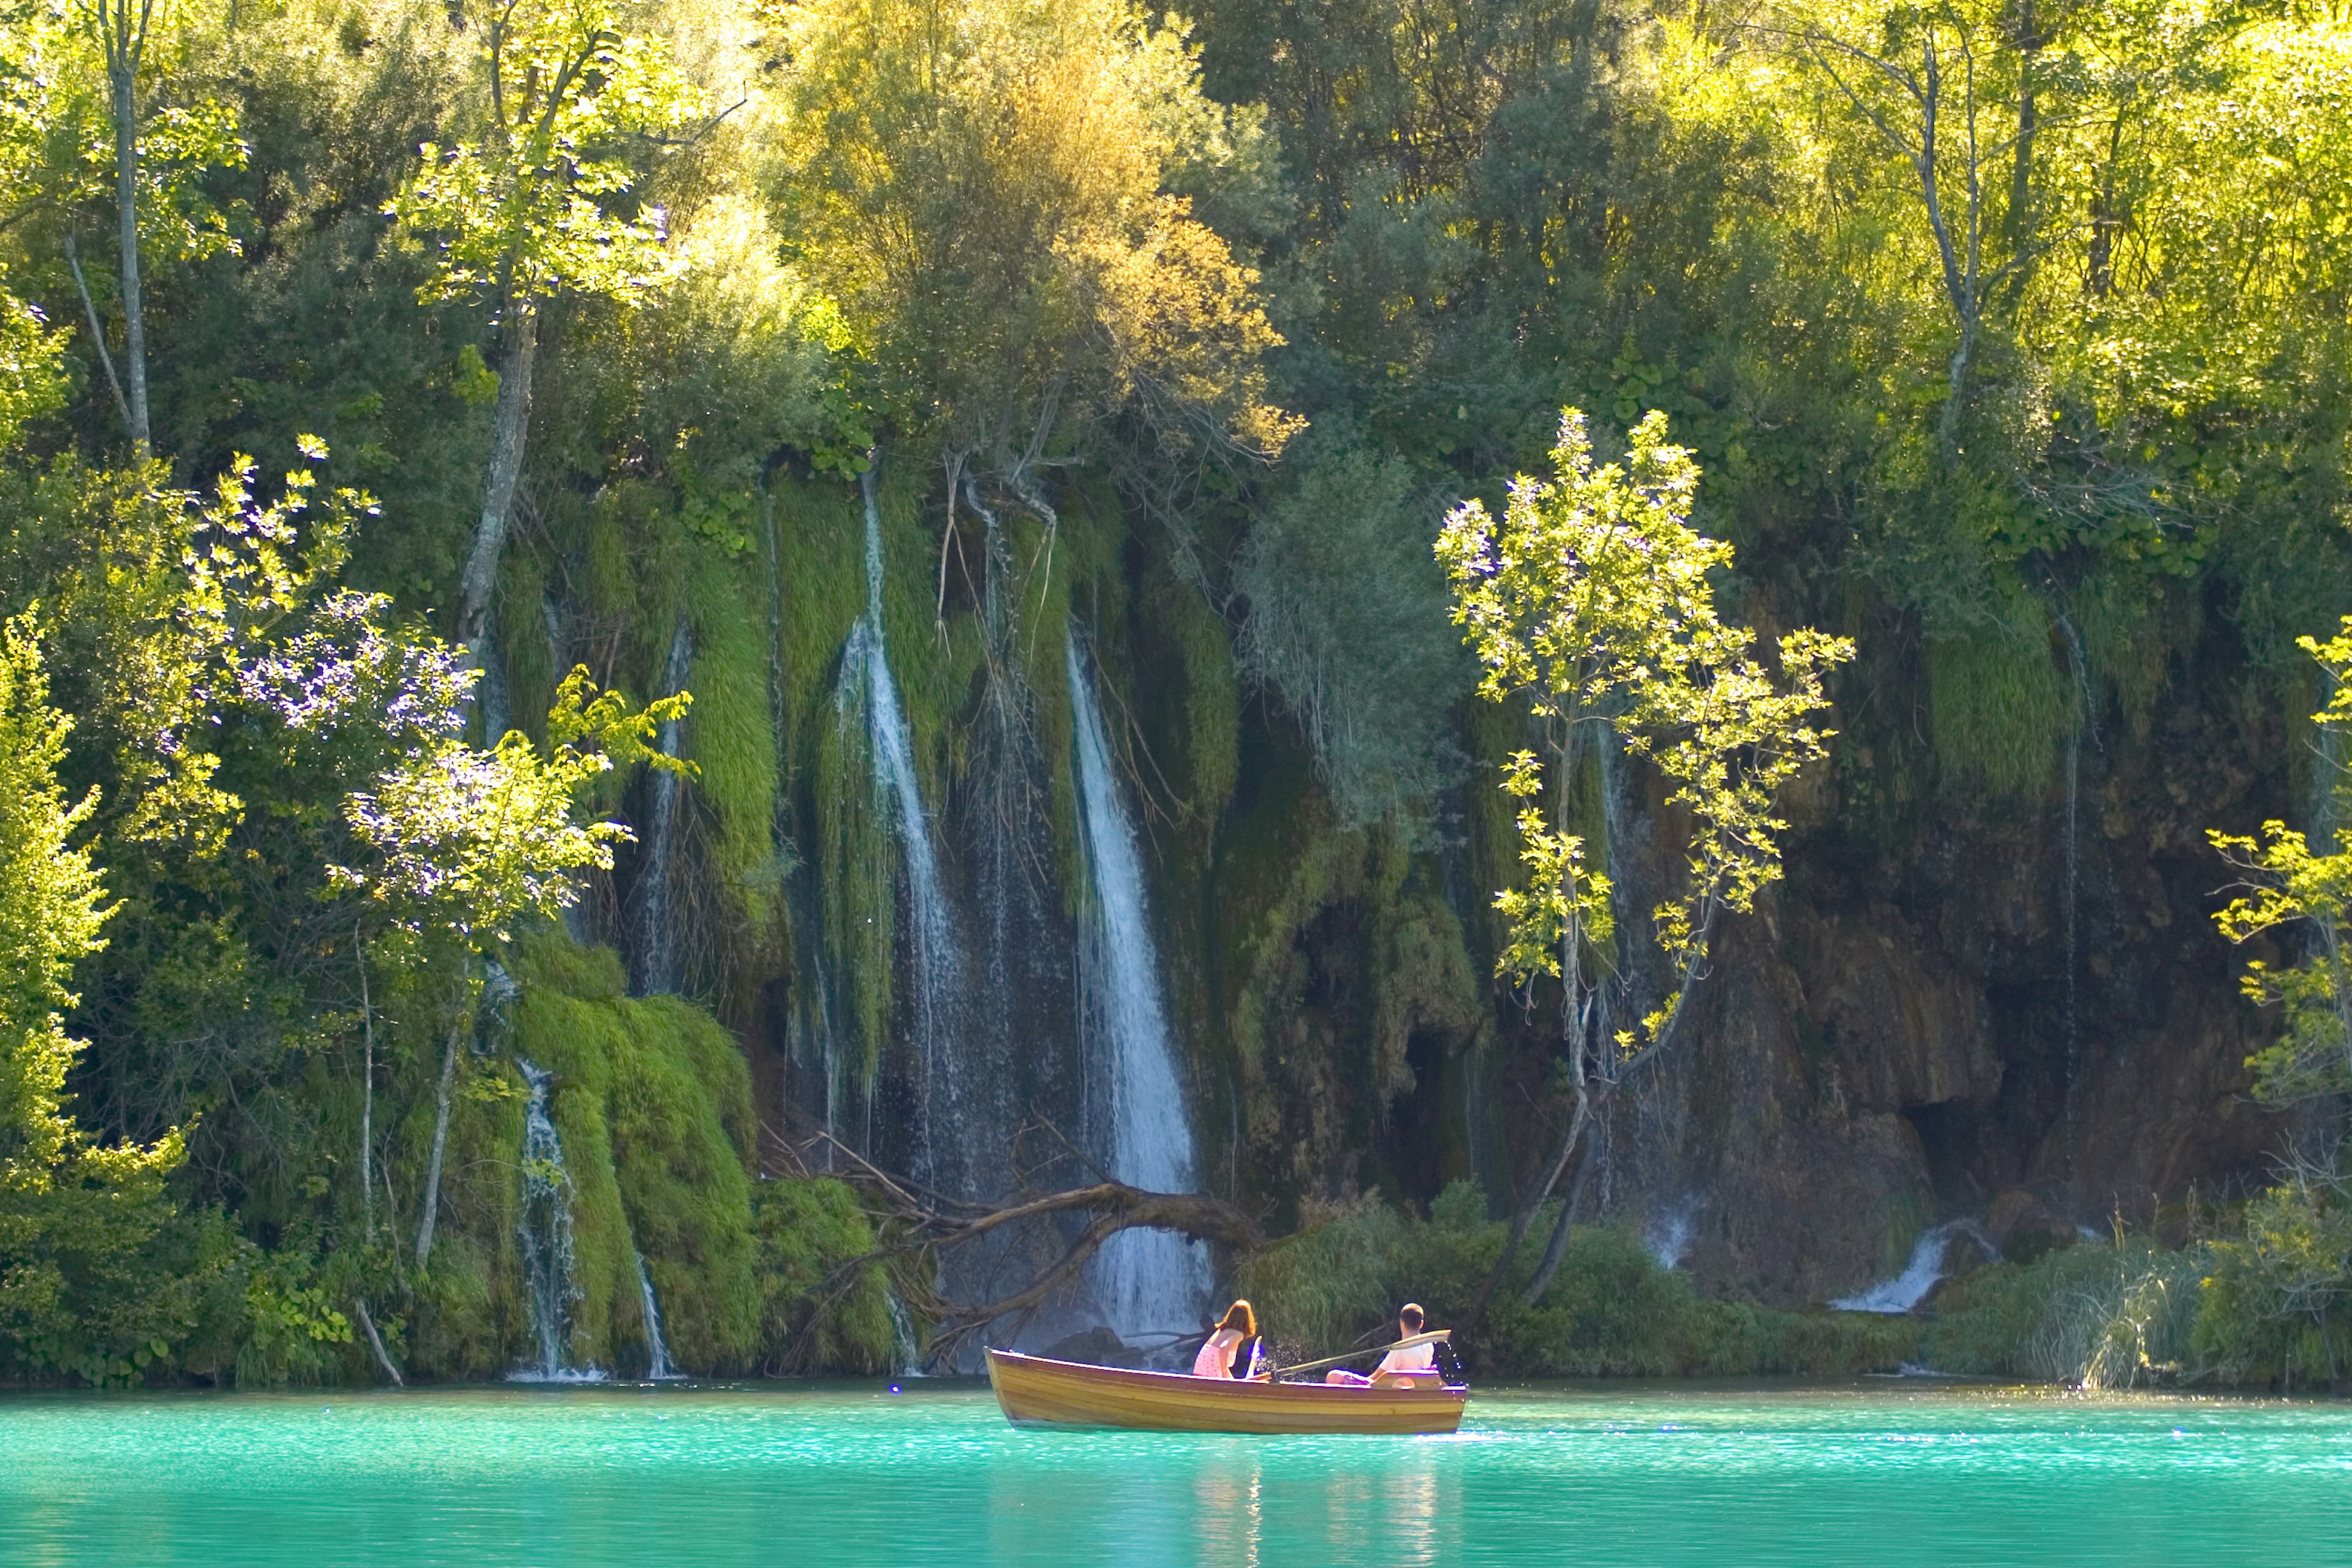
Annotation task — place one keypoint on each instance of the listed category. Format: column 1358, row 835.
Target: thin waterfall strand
column 656, row 928
column 1144, row 1279
column 937, row 966
column 550, row 1270
column 658, row 1369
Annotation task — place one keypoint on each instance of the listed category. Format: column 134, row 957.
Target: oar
column 1430, row 1338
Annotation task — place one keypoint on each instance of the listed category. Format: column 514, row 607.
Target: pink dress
column 1216, row 1357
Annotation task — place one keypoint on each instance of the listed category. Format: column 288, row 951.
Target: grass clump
column 1999, row 702
column 2095, row 1316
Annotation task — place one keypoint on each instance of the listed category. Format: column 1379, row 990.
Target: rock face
column 1954, row 997
column 1932, row 1012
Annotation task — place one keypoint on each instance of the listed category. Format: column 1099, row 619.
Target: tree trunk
column 440, row 1143
column 1524, row 1215
column 511, row 428
column 96, row 328
column 126, row 206
column 1557, row 1247
column 2019, row 227
column 375, row 1343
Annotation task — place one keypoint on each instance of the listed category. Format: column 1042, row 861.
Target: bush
column 2272, row 1307
column 1612, row 1310
column 2098, row 1316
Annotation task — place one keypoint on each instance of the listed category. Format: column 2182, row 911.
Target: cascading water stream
column 550, row 1276
column 656, row 943
column 1144, row 1279
column 658, row 1369
column 937, row 967
column 1929, row 1257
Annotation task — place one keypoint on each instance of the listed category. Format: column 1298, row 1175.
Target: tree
column 1592, row 602
column 69, row 1208
column 2288, row 884
column 64, row 147
column 187, row 138
column 990, row 188
column 529, row 209
column 1344, row 624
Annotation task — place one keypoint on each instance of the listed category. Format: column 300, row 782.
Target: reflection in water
column 1228, row 1508
column 1412, row 1507
column 1387, row 1510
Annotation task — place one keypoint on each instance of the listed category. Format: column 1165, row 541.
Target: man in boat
column 1233, row 1340
column 1405, row 1366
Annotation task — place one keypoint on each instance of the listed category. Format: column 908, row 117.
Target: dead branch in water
column 914, row 1222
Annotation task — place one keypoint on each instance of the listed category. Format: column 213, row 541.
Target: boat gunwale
column 1246, row 1389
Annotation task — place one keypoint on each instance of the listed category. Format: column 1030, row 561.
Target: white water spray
column 549, row 1275
column 1669, row 1236
column 1144, row 1279
column 1928, row 1258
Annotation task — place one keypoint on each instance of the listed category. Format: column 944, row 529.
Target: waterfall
column 550, row 1275
column 656, row 1347
column 656, row 941
column 907, row 1358
column 1928, row 1255
column 1144, row 1279
column 936, row 965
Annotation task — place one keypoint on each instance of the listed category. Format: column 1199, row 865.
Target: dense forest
column 658, row 655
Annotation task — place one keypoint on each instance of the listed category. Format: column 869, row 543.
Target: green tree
column 2289, row 885
column 1592, row 602
column 150, row 176
column 69, row 1209
column 533, row 206
column 991, row 190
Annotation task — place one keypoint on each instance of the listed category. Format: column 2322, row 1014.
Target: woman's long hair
column 1240, row 1316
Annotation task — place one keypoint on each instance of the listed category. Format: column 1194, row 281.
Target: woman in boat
column 1406, row 1366
column 1233, row 1340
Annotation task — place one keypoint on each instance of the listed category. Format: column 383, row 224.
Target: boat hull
column 1036, row 1391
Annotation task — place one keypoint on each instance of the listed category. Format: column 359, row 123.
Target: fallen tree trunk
column 916, row 1222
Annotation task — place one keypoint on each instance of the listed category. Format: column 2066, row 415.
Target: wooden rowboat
column 1036, row 1391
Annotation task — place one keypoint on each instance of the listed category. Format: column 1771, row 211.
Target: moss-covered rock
column 818, row 1315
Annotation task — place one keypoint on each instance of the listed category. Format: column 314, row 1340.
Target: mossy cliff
column 651, row 1098
column 1886, row 1041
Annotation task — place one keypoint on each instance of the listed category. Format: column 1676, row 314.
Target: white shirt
column 1410, row 1358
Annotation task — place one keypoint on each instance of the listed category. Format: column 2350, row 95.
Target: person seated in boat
column 1232, row 1343
column 1405, row 1366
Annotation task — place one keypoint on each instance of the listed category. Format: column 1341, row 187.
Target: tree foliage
column 1592, row 600
column 2291, row 886
column 995, row 192
column 74, row 1214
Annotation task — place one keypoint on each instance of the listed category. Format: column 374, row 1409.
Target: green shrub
column 1612, row 1310
column 2272, row 1307
column 2099, row 1316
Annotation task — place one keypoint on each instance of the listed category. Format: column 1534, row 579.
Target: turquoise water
column 833, row 1475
